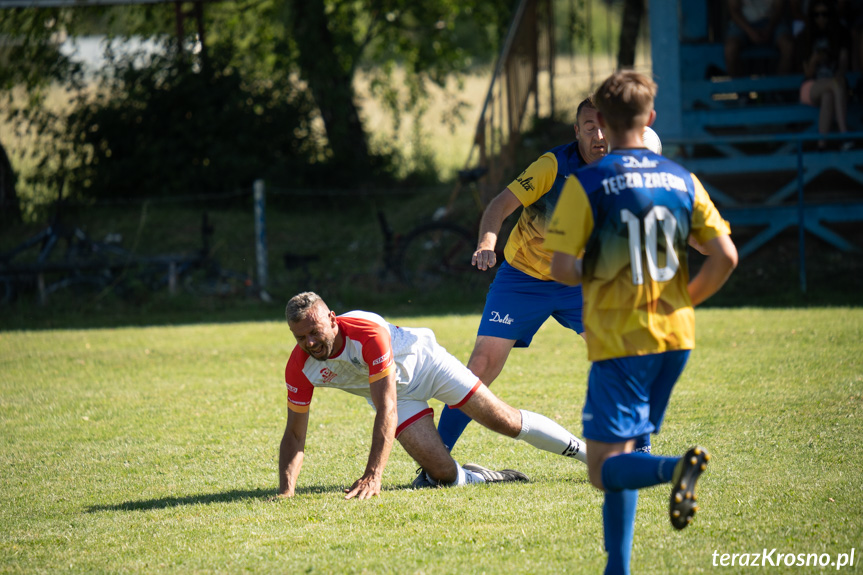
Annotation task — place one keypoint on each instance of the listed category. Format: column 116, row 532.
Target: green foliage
column 29, row 54
column 588, row 26
column 178, row 127
column 429, row 42
column 153, row 450
column 273, row 64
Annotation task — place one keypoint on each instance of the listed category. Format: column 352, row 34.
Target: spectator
column 851, row 15
column 825, row 51
column 798, row 16
column 757, row 23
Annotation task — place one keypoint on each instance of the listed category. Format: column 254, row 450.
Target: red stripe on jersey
column 411, row 420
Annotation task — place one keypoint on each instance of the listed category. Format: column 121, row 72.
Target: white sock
column 466, row 477
column 543, row 433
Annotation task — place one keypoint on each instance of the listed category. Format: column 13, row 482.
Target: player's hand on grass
column 484, row 259
column 365, row 487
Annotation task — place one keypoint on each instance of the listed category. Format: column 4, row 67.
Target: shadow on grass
column 208, row 499
column 235, row 495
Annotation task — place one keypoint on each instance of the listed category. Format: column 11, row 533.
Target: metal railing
column 805, row 165
column 527, row 51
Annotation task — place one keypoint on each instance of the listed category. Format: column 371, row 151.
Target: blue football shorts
column 627, row 396
column 518, row 304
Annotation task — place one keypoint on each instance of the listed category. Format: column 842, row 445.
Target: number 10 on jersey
column 659, row 217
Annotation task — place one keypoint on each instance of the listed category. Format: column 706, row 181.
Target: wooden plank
column 750, row 118
column 845, row 162
column 779, row 218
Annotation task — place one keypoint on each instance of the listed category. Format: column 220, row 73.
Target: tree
column 633, row 13
column 29, row 60
column 10, row 209
column 313, row 45
column 330, row 74
column 178, row 127
column 426, row 39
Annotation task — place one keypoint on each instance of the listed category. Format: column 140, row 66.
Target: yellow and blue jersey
column 538, row 189
column 631, row 214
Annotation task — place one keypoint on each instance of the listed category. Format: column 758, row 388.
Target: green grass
column 154, row 450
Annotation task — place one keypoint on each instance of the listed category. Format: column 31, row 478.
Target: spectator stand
column 732, row 131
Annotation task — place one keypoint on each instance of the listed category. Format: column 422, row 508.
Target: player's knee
column 479, row 362
column 594, row 473
column 486, row 367
column 596, row 458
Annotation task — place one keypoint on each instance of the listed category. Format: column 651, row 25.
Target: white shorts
column 437, row 374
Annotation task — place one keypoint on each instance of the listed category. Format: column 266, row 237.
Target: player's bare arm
column 697, row 246
column 504, row 204
column 566, row 268
column 721, row 260
column 383, row 435
column 291, row 452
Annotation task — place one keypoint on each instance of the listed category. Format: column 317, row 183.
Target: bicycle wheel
column 438, row 256
column 78, row 285
column 214, row 280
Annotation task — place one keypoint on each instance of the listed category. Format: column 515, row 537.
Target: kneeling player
column 397, row 370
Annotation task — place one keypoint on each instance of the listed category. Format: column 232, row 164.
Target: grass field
column 154, row 450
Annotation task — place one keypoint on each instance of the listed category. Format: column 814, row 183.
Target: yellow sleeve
column 297, row 408
column 536, row 180
column 707, row 223
column 572, row 221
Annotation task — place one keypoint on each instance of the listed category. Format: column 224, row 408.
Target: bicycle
column 199, row 273
column 88, row 266
column 84, row 265
column 435, row 255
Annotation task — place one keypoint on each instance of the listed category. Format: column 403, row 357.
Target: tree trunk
column 327, row 62
column 633, row 12
column 10, row 210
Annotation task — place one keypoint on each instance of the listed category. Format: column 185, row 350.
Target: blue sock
column 642, row 443
column 636, row 471
column 451, row 425
column 618, row 524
